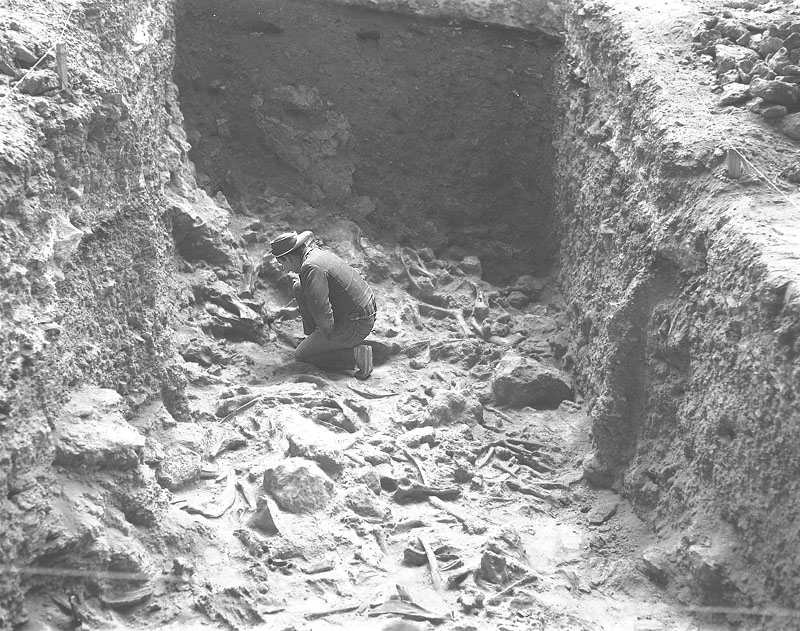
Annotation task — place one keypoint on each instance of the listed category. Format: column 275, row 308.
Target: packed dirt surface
column 447, row 491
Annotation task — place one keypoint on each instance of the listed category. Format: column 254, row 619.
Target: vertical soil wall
column 84, row 246
column 682, row 297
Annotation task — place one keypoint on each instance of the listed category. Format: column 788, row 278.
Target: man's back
column 327, row 278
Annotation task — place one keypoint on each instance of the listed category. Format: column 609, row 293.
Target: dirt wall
column 418, row 129
column 84, row 253
column 682, row 293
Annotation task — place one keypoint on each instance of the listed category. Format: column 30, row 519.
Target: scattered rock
column 493, row 568
column 452, row 406
column 298, row 485
column 329, row 459
column 734, row 93
column 369, row 477
column 529, row 285
column 153, row 453
column 360, row 207
column 602, row 512
column 775, row 91
column 733, row 57
column 6, row 68
column 470, row 600
column 374, row 455
column 418, row 436
column 66, row 239
column 769, row 46
column 145, row 503
column 190, row 435
column 789, row 125
column 362, row 501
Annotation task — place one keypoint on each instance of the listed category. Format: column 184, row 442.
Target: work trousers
column 334, row 352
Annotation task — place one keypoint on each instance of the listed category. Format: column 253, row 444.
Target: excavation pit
column 600, row 197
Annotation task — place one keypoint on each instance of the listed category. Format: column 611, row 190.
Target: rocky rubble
column 757, row 62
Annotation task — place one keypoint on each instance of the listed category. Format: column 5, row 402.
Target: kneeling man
column 336, row 303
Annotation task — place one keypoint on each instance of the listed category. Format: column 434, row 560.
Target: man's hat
column 289, row 241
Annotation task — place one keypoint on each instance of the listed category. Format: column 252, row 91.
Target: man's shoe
column 363, row 361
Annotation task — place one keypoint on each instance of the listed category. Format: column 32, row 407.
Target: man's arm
column 315, row 289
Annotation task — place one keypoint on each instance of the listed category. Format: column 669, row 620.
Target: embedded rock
column 329, row 459
column 654, row 564
column 362, row 501
column 190, row 435
column 519, row 381
column 38, row 82
column 413, row 438
column 179, row 467
column 93, row 432
column 200, row 229
column 267, row 517
column 298, row 485
column 451, row 406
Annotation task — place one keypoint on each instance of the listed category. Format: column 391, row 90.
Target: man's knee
column 301, row 354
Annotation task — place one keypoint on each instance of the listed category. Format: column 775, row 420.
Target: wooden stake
column 735, row 165
column 61, row 66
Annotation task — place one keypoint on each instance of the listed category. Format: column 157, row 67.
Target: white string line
column 119, row 576
column 705, row 106
column 61, row 30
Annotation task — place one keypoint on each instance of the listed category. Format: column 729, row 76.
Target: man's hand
column 287, row 313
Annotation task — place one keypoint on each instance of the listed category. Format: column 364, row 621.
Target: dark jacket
column 333, row 290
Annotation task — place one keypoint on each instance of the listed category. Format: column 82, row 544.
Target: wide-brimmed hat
column 289, row 241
